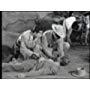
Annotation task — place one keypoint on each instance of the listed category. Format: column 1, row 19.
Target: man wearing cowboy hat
column 53, row 43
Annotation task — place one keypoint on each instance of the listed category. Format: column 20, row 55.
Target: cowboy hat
column 58, row 29
column 79, row 72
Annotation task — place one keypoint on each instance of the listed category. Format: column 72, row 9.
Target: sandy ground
column 79, row 56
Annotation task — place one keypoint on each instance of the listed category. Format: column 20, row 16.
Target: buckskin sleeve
column 47, row 50
column 60, row 47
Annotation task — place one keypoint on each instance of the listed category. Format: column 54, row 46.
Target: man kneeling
column 54, row 45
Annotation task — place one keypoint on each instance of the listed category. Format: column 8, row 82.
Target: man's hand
column 49, row 52
column 34, row 56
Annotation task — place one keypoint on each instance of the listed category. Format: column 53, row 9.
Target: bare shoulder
column 47, row 32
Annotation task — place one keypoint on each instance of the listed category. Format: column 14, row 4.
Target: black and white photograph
column 45, row 44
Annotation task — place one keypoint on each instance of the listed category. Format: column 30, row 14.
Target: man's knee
column 66, row 45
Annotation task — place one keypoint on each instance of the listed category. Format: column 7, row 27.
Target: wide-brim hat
column 58, row 29
column 79, row 73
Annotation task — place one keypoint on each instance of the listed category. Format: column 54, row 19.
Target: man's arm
column 25, row 49
column 60, row 47
column 47, row 50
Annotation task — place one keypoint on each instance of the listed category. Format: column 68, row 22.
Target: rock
column 9, row 38
column 20, row 26
column 11, row 17
column 6, row 53
column 21, row 75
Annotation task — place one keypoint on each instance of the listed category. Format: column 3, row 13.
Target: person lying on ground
column 31, row 68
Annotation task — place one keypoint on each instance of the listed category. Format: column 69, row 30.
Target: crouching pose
column 28, row 45
column 49, row 45
column 53, row 44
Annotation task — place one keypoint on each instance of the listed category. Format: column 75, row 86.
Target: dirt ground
column 78, row 55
